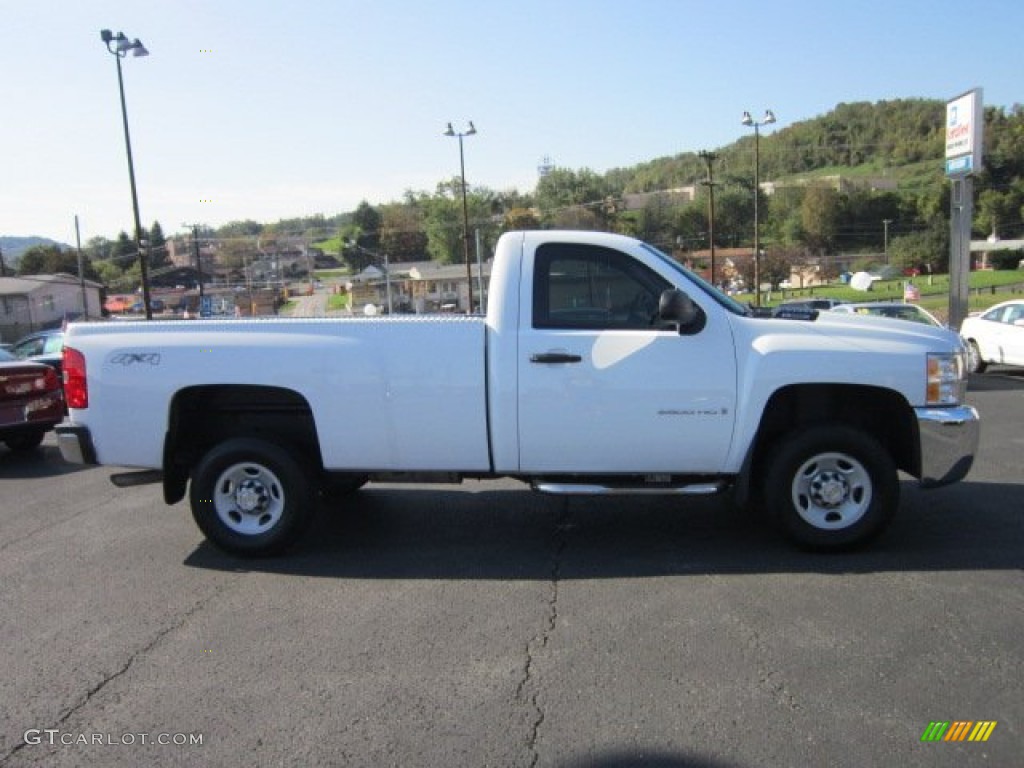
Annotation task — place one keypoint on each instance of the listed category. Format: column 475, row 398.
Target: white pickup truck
column 602, row 367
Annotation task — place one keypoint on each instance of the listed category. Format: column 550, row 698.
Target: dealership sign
column 964, row 123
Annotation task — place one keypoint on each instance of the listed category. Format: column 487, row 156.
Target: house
column 37, row 302
column 443, row 287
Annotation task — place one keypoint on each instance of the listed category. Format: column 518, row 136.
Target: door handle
column 550, row 358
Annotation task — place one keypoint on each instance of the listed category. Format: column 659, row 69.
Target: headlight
column 947, row 378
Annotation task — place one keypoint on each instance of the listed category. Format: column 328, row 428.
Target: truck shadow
column 44, row 461
column 396, row 533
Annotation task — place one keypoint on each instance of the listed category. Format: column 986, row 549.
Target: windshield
column 730, row 304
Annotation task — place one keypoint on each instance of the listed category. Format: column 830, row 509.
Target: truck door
column 603, row 387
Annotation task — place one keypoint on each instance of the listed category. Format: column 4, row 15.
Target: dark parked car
column 31, row 402
column 804, row 307
column 41, row 347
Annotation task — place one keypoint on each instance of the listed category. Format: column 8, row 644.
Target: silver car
column 892, row 309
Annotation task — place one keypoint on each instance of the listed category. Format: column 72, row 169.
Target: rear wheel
column 251, row 498
column 831, row 487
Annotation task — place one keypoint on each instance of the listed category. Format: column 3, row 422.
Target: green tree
column 655, row 222
column 777, row 264
column 563, row 189
column 401, row 232
column 819, row 217
column 690, row 226
column 734, row 217
column 158, row 256
column 52, row 260
column 123, row 253
column 368, row 221
column 926, row 249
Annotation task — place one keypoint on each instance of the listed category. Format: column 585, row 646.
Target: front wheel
column 250, row 497
column 831, row 487
column 975, row 363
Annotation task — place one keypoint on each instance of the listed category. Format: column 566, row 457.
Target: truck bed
column 403, row 393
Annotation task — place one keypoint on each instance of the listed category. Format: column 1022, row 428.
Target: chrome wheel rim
column 831, row 491
column 249, row 498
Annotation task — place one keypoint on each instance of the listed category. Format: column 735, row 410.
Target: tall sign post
column 964, row 126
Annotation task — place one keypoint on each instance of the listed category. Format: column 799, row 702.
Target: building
column 37, row 302
column 421, row 287
column 980, row 250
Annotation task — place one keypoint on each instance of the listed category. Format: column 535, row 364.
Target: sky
column 255, row 109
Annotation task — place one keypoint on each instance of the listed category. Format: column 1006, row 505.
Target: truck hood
column 839, row 349
column 835, row 330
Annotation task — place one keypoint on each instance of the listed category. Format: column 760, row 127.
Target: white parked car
column 995, row 336
column 900, row 311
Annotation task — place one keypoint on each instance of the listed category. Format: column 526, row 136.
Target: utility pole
column 3, row 267
column 81, row 271
column 199, row 261
column 885, row 238
column 709, row 182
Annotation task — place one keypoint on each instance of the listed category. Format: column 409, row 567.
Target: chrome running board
column 588, row 489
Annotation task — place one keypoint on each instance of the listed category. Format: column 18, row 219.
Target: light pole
column 748, row 121
column 465, row 209
column 119, row 45
column 709, row 158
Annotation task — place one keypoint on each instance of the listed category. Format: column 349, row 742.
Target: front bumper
column 75, row 444
column 949, row 440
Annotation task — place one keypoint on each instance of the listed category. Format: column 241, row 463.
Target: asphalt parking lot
column 485, row 625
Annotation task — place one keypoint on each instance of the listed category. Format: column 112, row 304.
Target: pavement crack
column 120, row 671
column 527, row 689
column 17, row 541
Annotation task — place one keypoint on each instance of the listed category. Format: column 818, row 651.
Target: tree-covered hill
column 12, row 248
column 863, row 179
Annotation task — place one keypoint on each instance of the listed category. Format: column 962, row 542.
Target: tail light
column 76, row 388
column 21, row 384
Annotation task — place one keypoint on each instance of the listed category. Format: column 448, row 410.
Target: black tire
column 831, row 487
column 974, row 362
column 251, row 498
column 24, row 442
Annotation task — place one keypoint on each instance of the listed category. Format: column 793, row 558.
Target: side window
column 998, row 315
column 1014, row 314
column 594, row 288
column 29, row 348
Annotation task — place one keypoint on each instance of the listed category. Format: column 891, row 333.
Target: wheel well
column 201, row 417
column 882, row 413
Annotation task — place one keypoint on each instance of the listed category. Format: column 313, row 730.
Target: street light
column 748, row 121
column 465, row 209
column 119, row 45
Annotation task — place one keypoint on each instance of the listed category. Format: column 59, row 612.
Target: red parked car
column 31, row 402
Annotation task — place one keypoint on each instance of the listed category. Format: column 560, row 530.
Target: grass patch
column 986, row 288
column 338, row 301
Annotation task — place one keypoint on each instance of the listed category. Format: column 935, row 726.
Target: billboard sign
column 964, row 124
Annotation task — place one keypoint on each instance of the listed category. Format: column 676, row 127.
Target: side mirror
column 678, row 309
